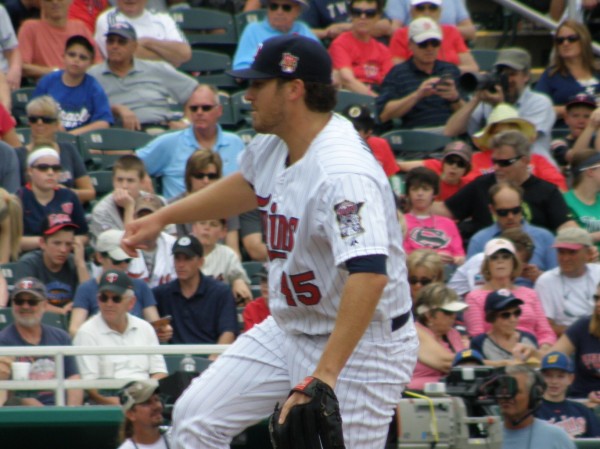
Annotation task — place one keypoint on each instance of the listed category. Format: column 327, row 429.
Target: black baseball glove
column 314, row 425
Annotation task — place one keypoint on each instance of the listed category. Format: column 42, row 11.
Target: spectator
column 500, row 268
column 43, row 197
column 42, row 41
column 143, row 408
column 436, row 309
column 502, row 311
column 566, row 292
column 282, row 18
column 203, row 309
column 83, row 104
column 424, row 267
column 87, row 12
column 427, row 230
column 10, row 56
column 513, row 66
column 452, row 49
column 572, row 70
column 220, row 261
column 140, row 92
column 421, row 91
column 510, row 155
column 159, row 38
column 166, row 155
column 11, row 228
column 54, row 265
column 29, row 302
column 114, row 326
column 573, row 417
column 583, row 124
column 43, row 116
column 520, row 427
column 360, row 62
column 258, row 310
column 7, row 128
column 9, row 172
column 21, row 10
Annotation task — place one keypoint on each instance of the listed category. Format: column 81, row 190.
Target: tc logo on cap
column 504, row 292
column 184, row 241
column 25, row 284
column 112, row 277
column 289, row 63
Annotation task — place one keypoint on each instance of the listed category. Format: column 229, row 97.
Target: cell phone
column 162, row 321
column 444, row 80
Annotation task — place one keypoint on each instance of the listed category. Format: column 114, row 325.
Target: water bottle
column 187, row 364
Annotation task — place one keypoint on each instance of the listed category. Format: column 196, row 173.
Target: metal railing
column 59, row 384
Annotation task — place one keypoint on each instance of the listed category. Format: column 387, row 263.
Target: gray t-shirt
column 10, row 178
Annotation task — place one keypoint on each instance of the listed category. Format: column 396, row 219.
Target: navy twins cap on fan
column 290, row 57
column 115, row 281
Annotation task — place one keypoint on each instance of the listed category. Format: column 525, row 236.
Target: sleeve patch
column 348, row 218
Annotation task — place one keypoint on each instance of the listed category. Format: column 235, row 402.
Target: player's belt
column 400, row 320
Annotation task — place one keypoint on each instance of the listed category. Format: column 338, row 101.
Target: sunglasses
column 506, row 315
column 513, row 210
column 435, row 43
column 427, row 6
column 104, row 298
column 412, row 280
column 119, row 262
column 561, row 40
column 30, row 302
column 56, row 168
column 460, row 163
column 447, row 312
column 596, row 297
column 45, row 120
column 505, row 162
column 368, row 13
column 210, row 176
column 286, row 7
column 205, row 107
column 501, row 256
column 80, row 56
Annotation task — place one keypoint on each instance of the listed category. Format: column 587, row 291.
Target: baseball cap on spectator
column 360, row 116
column 446, row 304
column 123, row 29
column 466, row 356
column 30, row 285
column 290, row 57
column 422, row 29
column 40, row 153
column 573, row 238
column 504, row 113
column 418, row 2
column 515, row 58
column 460, row 149
column 55, row 222
column 109, row 242
column 137, row 392
column 115, row 281
column 495, row 245
column 557, row 360
column 188, row 245
column 581, row 99
column 148, row 202
column 501, row 299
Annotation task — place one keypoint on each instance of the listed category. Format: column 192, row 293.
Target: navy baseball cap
column 467, row 355
column 289, row 57
column 123, row 29
column 581, row 99
column 501, row 299
column 115, row 281
column 57, row 221
column 557, row 360
column 188, row 245
column 30, row 285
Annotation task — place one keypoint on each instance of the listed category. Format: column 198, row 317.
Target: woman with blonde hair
column 11, row 231
column 424, row 266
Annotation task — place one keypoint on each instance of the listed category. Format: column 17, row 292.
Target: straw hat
column 504, row 113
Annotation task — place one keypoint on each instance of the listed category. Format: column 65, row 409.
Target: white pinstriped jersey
column 332, row 205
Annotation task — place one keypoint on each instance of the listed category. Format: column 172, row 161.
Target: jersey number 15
column 301, row 288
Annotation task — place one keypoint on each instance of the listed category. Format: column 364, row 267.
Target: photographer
column 509, row 84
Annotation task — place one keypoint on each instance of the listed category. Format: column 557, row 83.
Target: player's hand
column 140, row 233
column 428, row 87
column 122, row 198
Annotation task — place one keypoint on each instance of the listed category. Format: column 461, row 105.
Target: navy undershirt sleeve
column 375, row 263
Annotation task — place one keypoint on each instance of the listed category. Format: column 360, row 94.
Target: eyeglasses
column 435, row 43
column 80, row 56
column 412, row 280
column 286, row 7
column 426, row 6
column 368, row 13
column 56, row 168
column 104, row 298
column 505, row 162
column 205, row 107
column 45, row 119
column 570, row 39
column 116, row 40
column 210, row 176
column 513, row 210
column 30, row 302
column 506, row 315
column 500, row 256
column 460, row 163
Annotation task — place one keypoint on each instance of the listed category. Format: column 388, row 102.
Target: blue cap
column 501, row 299
column 557, row 360
column 123, row 29
column 467, row 355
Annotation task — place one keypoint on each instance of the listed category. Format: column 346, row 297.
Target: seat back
column 20, row 98
column 205, row 26
column 243, row 19
column 408, row 144
column 209, row 67
column 104, row 146
column 102, row 182
column 346, row 98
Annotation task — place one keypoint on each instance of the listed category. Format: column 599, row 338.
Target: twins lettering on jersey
column 279, row 229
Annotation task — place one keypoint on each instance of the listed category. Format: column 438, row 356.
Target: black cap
column 55, row 222
column 188, row 245
column 115, row 281
column 501, row 299
column 581, row 99
column 291, row 57
column 360, row 116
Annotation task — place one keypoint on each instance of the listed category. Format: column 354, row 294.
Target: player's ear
column 295, row 89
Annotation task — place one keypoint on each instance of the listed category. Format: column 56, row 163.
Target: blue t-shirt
column 539, row 435
column 587, row 359
column 573, row 417
column 42, row 368
column 453, row 11
column 201, row 318
column 86, row 297
column 562, row 87
column 79, row 105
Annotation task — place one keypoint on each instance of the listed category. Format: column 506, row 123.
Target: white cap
column 418, row 2
column 424, row 28
column 110, row 242
column 40, row 153
column 495, row 245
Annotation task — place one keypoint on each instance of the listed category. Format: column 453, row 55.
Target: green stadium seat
column 587, row 443
column 485, row 59
column 346, row 98
column 209, row 67
column 409, row 144
column 101, row 148
column 20, row 98
column 173, row 361
column 56, row 320
column 205, row 26
column 8, row 270
column 6, row 317
column 243, row 19
column 24, row 134
column 102, row 182
column 252, row 268
column 241, row 107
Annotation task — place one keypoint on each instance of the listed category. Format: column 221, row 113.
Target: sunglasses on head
column 210, row 176
column 368, row 13
column 506, row 315
column 460, row 163
column 426, row 6
column 286, row 7
column 435, row 43
column 562, row 39
column 513, row 210
column 505, row 162
column 204, row 107
column 104, row 298
column 501, row 255
column 412, row 280
column 45, row 119
column 56, row 168
column 30, row 302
